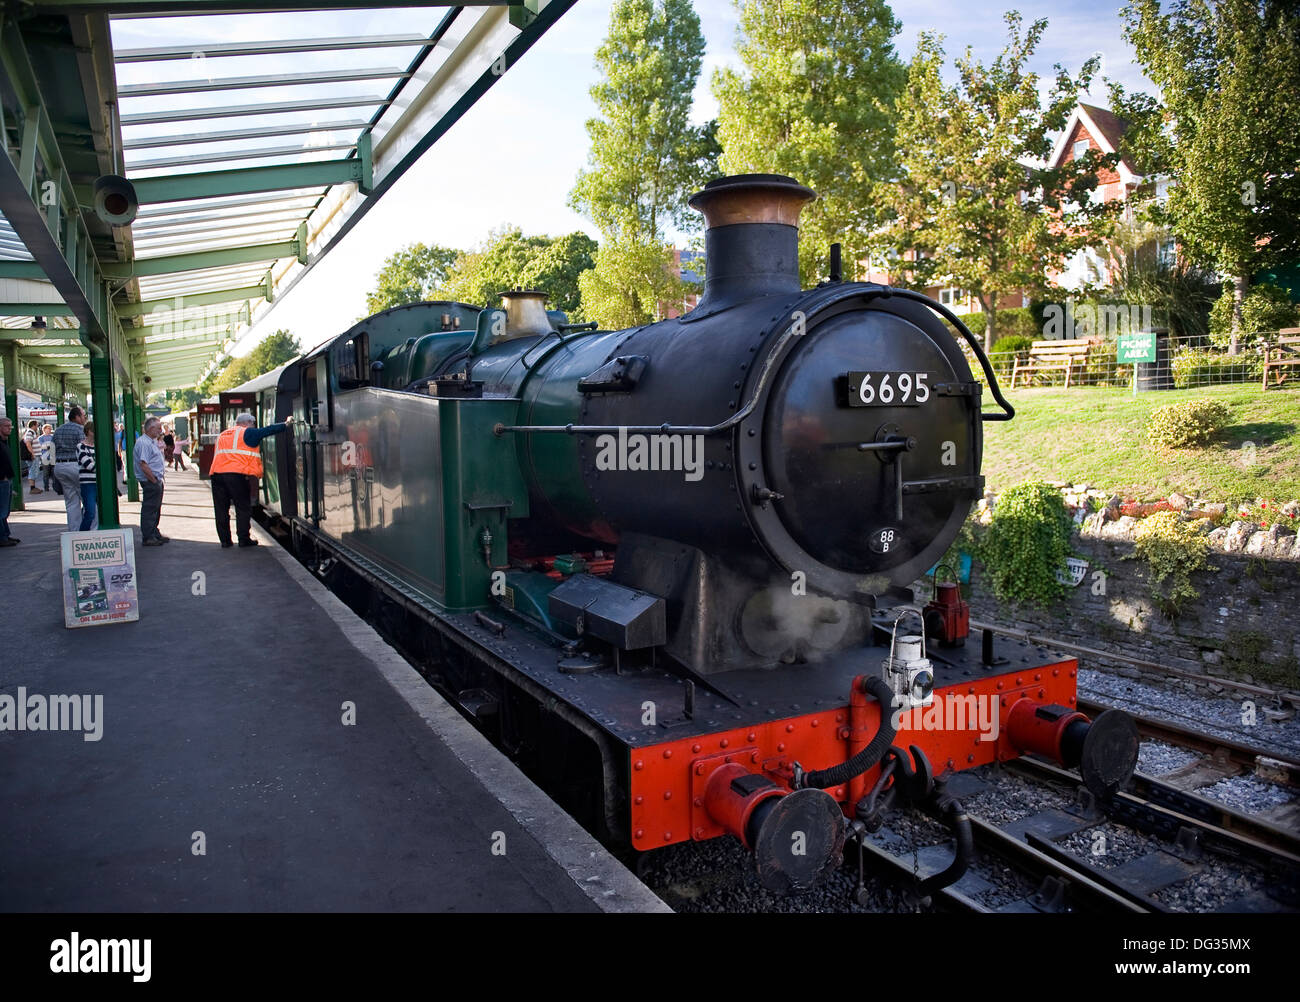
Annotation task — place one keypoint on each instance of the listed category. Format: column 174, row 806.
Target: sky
column 513, row 158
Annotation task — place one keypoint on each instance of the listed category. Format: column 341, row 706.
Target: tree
column 646, row 158
column 967, row 205
column 274, row 350
column 508, row 259
column 630, row 283
column 1179, row 292
column 182, row 399
column 1229, row 76
column 815, row 101
column 411, row 275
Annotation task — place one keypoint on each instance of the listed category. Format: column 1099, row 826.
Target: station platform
column 223, row 715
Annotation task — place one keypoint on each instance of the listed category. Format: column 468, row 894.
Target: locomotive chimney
column 525, row 313
column 751, row 237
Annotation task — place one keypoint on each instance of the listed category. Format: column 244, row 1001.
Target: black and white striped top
column 86, row 463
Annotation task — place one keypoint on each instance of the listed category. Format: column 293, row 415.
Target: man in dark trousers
column 6, row 481
column 238, row 457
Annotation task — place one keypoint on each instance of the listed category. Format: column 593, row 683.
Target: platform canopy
column 256, row 133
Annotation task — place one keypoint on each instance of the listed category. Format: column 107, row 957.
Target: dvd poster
column 99, row 583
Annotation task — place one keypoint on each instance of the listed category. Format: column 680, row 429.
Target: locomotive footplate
column 767, row 720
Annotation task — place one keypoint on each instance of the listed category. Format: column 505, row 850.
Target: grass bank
column 1098, row 435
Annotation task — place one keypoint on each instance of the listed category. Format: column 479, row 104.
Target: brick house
column 1089, row 127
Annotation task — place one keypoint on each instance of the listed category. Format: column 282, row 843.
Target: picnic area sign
column 1137, row 347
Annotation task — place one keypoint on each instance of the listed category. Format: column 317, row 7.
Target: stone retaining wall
column 1245, row 626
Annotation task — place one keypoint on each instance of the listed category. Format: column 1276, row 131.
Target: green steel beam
column 248, row 180
column 53, row 232
column 21, row 269
column 35, row 310
column 136, row 8
column 101, row 395
column 59, row 337
column 200, row 260
column 179, row 303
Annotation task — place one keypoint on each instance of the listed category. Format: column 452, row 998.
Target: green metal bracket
column 300, row 242
column 365, row 155
column 523, row 14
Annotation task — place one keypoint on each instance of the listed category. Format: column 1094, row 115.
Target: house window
column 1080, row 148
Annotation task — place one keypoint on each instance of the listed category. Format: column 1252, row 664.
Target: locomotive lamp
column 908, row 671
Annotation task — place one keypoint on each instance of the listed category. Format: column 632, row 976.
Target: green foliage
column 411, row 275
column 630, row 282
column 1191, row 422
column 964, row 204
column 1266, row 512
column 1264, row 310
column 1229, row 76
column 1001, row 353
column 646, row 158
column 176, row 400
column 1027, row 543
column 1209, row 368
column 508, row 259
column 1173, row 550
column 1179, row 292
column 275, row 349
column 1019, row 322
column 814, row 100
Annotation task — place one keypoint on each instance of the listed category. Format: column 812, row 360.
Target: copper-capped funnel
column 752, row 198
column 525, row 313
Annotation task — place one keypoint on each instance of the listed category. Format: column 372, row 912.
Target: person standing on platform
column 89, row 489
column 45, row 453
column 67, row 437
column 7, row 473
column 149, row 468
column 30, row 456
column 237, row 460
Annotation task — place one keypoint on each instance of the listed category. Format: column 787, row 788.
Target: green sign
column 1139, row 347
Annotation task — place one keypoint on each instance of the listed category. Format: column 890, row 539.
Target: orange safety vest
column 232, row 456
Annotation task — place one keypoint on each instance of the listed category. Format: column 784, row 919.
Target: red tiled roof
column 1111, row 126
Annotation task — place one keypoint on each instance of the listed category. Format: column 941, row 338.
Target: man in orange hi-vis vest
column 237, row 458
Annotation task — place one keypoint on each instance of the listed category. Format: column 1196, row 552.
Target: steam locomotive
column 656, row 564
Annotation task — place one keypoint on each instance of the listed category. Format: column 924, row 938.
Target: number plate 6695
column 888, row 389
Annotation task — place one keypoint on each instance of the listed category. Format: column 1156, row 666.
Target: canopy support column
column 129, row 432
column 101, row 398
